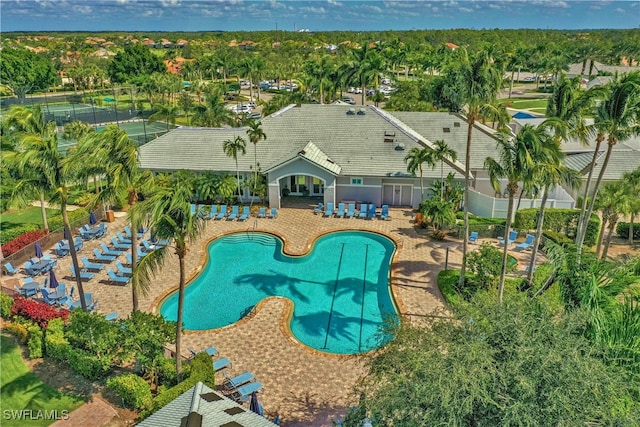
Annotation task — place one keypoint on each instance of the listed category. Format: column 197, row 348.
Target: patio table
column 65, row 245
column 30, row 286
column 40, row 266
column 57, row 295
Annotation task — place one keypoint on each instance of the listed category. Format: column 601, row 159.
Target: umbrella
column 53, row 282
column 254, row 405
column 92, row 218
column 66, row 234
column 38, row 249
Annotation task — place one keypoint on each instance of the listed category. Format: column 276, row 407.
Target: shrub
column 134, row 391
column 558, row 221
column 21, row 241
column 448, row 282
column 557, row 238
column 35, row 342
column 14, row 233
column 486, row 264
column 78, row 215
column 56, row 346
column 86, row 364
column 162, row 399
column 19, row 331
column 623, row 230
column 37, row 311
column 202, row 369
column 166, row 371
column 6, row 302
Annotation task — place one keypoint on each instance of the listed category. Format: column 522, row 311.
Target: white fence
column 493, row 207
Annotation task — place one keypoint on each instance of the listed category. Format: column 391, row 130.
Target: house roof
column 314, row 155
column 214, row 409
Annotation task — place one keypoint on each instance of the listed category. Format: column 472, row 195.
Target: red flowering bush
column 37, row 311
column 21, row 241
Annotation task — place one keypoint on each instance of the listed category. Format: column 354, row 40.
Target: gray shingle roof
column 313, row 154
column 210, row 405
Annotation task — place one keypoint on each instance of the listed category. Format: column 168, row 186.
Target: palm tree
column 632, row 182
column 517, row 158
column 233, row 147
column 617, row 117
column 479, row 82
column 168, row 210
column 255, row 134
column 166, row 112
column 415, row 159
column 213, row 113
column 440, row 152
column 612, row 203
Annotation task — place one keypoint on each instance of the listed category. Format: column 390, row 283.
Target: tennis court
column 139, row 131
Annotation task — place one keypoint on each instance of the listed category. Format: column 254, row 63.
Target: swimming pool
column 340, row 290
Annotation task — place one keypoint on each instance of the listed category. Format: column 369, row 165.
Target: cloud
column 335, row 3
column 465, row 9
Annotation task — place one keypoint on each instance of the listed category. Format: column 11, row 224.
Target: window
column 356, row 181
column 446, row 130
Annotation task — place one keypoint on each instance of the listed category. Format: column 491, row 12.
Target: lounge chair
column 473, row 237
column 243, row 393
column 102, row 257
column 28, row 269
column 237, row 381
column 212, row 213
column 101, row 230
column 372, row 211
column 123, row 239
column 329, row 212
column 141, row 253
column 123, row 270
column 193, row 209
column 127, row 232
column 110, row 252
column 274, row 213
column 384, row 213
column 351, row 210
column 10, row 269
column 513, row 235
column 221, row 364
column 340, row 211
column 363, row 210
column 148, row 247
column 223, row 212
column 111, row 316
column 45, row 296
column 211, row 351
column 527, row 243
column 113, row 277
column 85, row 234
column 119, row 246
column 245, row 213
column 234, row 213
column 84, row 275
column 60, row 250
column 262, row 213
column 318, row 208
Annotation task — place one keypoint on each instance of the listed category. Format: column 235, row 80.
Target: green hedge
column 74, row 216
column 88, row 365
column 558, row 221
column 35, row 342
column 134, row 391
column 55, row 344
column 13, row 232
column 623, row 230
column 557, row 238
column 6, row 302
column 448, row 282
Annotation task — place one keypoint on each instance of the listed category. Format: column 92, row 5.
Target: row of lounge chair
column 366, row 211
column 212, row 212
column 513, row 235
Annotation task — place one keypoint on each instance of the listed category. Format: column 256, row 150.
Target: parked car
column 351, row 90
column 386, row 81
column 349, row 100
column 358, row 90
column 371, row 92
column 265, row 85
column 529, row 79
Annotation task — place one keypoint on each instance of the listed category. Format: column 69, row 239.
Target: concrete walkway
column 96, row 413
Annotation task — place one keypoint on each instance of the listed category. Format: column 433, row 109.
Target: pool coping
column 285, row 319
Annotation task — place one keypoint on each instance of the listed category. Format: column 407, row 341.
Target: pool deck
column 306, row 388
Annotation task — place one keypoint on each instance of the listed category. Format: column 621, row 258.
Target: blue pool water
column 340, row 290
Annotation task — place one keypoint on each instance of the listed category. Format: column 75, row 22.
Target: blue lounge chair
column 262, row 213
column 527, row 243
column 85, row 234
column 213, row 212
column 111, row 252
column 243, row 393
column 90, row 265
column 129, row 259
column 221, row 364
column 513, row 235
column 211, row 351
column 84, row 275
column 127, row 232
column 351, row 210
column 340, row 211
column 245, row 213
column 329, row 212
column 384, row 213
column 363, row 210
column 118, row 245
column 223, row 212
column 45, row 296
column 113, row 277
column 234, row 213
column 473, row 237
column 148, row 247
column 102, row 257
column 318, row 208
column 124, row 271
column 111, row 316
column 372, row 212
column 10, row 269
column 123, row 239
column 60, row 250
column 237, row 381
column 274, row 213
column 141, row 253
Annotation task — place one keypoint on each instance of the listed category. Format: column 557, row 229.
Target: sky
column 316, row 15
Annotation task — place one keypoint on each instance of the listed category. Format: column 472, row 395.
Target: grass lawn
column 30, row 215
column 526, row 103
column 20, row 389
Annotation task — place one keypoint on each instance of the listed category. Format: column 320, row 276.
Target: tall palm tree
column 442, row 151
column 167, row 112
column 612, row 203
column 632, row 182
column 255, row 134
column 617, row 117
column 479, row 81
column 233, row 147
column 517, row 158
column 168, row 210
column 415, row 159
column 213, row 113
